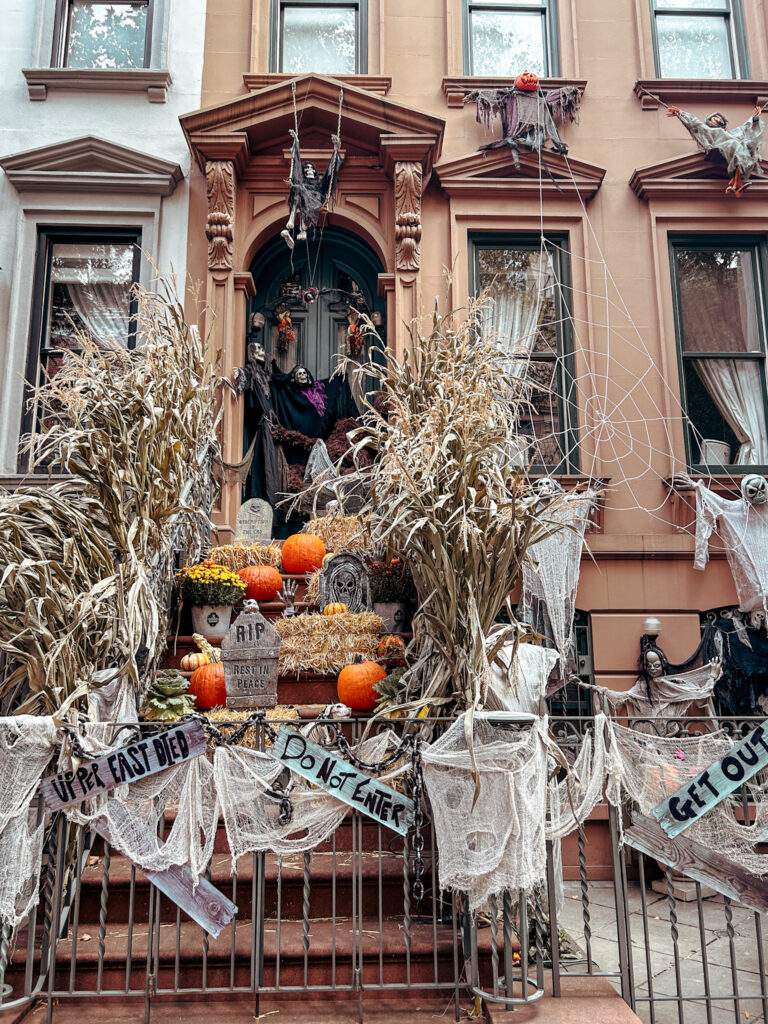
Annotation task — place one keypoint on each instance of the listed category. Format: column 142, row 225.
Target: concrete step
column 582, row 1001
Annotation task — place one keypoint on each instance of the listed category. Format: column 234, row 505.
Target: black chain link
column 418, row 824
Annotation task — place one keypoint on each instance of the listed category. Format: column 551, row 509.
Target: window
column 529, row 285
column 505, row 38
column 321, row 36
column 104, row 36
column 698, row 39
column 720, row 320
column 83, row 281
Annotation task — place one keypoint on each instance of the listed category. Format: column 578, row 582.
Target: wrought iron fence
column 342, row 919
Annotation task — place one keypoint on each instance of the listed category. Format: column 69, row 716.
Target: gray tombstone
column 254, row 522
column 250, row 654
column 344, row 578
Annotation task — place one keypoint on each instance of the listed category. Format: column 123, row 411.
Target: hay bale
column 326, row 643
column 238, row 556
column 228, row 716
column 341, row 533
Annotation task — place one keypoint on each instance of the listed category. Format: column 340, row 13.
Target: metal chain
column 373, row 767
column 418, row 822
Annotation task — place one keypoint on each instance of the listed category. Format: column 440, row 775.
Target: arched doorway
column 323, row 286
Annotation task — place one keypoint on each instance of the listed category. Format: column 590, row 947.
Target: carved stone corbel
column 219, row 227
column 408, row 178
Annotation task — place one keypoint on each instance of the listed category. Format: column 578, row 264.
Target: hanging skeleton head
column 754, row 489
column 301, row 377
column 310, row 194
column 256, row 353
column 546, row 488
column 757, row 619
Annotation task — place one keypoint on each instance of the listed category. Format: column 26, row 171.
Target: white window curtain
column 518, row 298
column 104, row 310
column 737, row 391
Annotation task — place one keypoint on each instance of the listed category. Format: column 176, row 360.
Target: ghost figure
column 742, row 525
column 739, row 147
column 309, row 193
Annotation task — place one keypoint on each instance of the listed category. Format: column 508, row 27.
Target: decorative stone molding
column 457, row 88
column 692, row 90
column 379, row 84
column 90, row 164
column 153, row 81
column 492, row 174
column 695, row 176
column 220, row 186
column 408, row 179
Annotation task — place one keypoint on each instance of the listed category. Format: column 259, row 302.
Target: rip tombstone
column 250, row 654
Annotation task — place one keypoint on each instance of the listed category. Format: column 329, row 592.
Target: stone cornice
column 693, row 90
column 492, row 173
column 153, row 81
column 378, row 84
column 456, row 89
column 693, row 176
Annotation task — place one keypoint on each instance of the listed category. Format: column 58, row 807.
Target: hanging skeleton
column 310, row 194
column 528, row 115
column 743, row 527
column 739, row 147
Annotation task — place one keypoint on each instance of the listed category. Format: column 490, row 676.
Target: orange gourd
column 528, row 81
column 262, row 582
column 392, row 650
column 336, row 608
column 303, row 552
column 194, row 660
column 355, row 685
column 208, row 686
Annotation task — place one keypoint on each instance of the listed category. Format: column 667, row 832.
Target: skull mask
column 345, row 587
column 256, row 353
column 546, row 488
column 310, row 171
column 653, row 665
column 754, row 489
column 302, row 376
column 757, row 619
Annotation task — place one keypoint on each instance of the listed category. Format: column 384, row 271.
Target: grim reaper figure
column 309, row 193
column 739, row 147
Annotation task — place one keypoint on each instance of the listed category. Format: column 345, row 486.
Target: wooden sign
column 343, row 780
column 144, row 757
column 709, row 787
column 700, row 863
column 197, row 897
column 254, row 522
column 344, row 579
column 250, row 654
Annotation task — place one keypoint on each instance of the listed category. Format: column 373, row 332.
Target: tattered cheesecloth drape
column 666, row 697
column 743, row 527
column 27, row 744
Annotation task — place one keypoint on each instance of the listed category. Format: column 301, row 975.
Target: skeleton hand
column 673, row 111
column 715, row 668
column 682, row 480
column 288, row 595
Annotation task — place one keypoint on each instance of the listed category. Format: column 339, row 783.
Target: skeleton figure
column 743, row 527
column 309, row 193
column 739, row 147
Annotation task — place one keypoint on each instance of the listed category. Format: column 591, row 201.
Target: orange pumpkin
column 528, row 81
column 194, row 660
column 208, row 686
column 303, row 552
column 392, row 650
column 337, row 608
column 355, row 685
column 665, row 777
column 262, row 582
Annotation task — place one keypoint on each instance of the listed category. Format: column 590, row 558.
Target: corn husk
column 238, row 556
column 326, row 643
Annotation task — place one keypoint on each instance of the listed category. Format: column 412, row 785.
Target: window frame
column 713, row 242
column 277, row 8
column 61, row 28
column 737, row 40
column 559, row 248
column 47, row 237
column 548, row 8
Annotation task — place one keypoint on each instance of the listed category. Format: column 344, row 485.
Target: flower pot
column 393, row 615
column 210, row 621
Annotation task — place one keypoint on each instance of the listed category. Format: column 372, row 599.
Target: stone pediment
column 90, row 164
column 257, row 124
column 694, row 176
column 493, row 172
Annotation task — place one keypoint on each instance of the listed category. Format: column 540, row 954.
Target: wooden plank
column 709, row 787
column 699, row 863
column 136, row 761
column 343, row 780
column 202, row 902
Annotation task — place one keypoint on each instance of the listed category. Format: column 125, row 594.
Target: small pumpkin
column 336, row 608
column 303, row 552
column 262, row 582
column 355, row 684
column 527, row 81
column 194, row 660
column 392, row 651
column 207, row 684
column 665, row 777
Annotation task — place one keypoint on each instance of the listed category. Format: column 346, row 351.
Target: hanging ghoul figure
column 739, row 147
column 309, row 193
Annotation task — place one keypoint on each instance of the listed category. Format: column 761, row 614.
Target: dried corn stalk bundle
column 326, row 643
column 238, row 556
column 227, row 716
column 341, row 532
column 88, row 565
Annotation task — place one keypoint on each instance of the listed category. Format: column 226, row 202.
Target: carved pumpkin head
column 528, row 81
